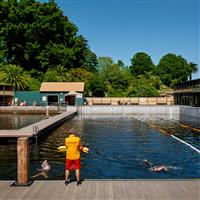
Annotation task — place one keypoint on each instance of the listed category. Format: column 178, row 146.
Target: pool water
column 118, row 146
column 17, row 121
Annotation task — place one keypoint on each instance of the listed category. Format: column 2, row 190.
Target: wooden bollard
column 22, row 160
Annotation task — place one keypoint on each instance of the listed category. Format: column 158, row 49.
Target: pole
column 47, row 112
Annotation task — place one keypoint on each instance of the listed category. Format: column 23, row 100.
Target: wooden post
column 47, row 112
column 22, row 160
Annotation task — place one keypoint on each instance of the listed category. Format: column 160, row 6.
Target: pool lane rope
column 186, row 143
column 190, row 127
column 163, row 131
column 192, row 147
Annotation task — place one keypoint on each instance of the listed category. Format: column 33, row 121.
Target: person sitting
column 155, row 168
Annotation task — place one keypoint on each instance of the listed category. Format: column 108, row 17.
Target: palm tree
column 193, row 69
column 15, row 75
column 57, row 74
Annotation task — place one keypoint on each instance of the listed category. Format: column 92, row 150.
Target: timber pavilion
column 6, row 94
column 187, row 93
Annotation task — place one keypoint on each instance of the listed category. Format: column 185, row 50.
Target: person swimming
column 155, row 168
column 44, row 170
column 45, row 166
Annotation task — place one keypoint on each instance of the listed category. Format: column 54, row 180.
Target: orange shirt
column 72, row 144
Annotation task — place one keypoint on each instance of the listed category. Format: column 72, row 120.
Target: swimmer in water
column 44, row 170
column 156, row 168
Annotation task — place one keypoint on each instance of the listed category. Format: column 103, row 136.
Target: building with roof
column 61, row 92
column 53, row 93
column 187, row 93
column 6, row 94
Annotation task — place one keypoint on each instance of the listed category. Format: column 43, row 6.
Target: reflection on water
column 194, row 122
column 17, row 121
column 118, row 145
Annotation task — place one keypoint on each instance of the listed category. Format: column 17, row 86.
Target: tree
column 96, row 87
column 91, row 63
column 142, row 88
column 33, row 84
column 104, row 62
column 173, row 69
column 81, row 74
column 15, row 75
column 57, row 74
column 2, row 51
column 141, row 63
column 153, row 79
column 113, row 76
column 193, row 69
column 38, row 35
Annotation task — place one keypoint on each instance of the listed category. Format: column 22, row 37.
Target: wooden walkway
column 104, row 190
column 39, row 127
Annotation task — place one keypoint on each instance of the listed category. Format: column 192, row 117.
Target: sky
column 121, row 28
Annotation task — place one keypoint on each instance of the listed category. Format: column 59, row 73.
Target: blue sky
column 120, row 28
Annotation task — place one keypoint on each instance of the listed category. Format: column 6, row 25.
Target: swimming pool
column 118, row 145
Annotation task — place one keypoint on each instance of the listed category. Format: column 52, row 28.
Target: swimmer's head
column 72, row 131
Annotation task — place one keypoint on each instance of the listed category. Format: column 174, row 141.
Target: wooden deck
column 104, row 189
column 39, row 127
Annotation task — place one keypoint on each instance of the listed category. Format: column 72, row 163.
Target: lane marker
column 194, row 148
column 186, row 144
column 190, row 127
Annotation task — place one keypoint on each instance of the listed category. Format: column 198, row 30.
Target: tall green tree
column 91, row 62
column 153, row 79
column 142, row 88
column 37, row 35
column 173, row 69
column 104, row 62
column 141, row 63
column 15, row 75
column 113, row 76
column 193, row 69
column 57, row 74
column 96, row 87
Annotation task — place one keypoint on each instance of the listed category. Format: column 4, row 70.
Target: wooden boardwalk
column 104, row 190
column 39, row 127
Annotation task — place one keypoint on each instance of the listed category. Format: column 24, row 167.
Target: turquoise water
column 118, row 145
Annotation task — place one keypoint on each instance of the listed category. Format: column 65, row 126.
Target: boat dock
column 104, row 190
column 39, row 127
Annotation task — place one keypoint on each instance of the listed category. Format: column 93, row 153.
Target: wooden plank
column 105, row 101
column 134, row 100
column 161, row 100
column 114, row 101
column 106, row 189
column 151, row 101
column 97, row 101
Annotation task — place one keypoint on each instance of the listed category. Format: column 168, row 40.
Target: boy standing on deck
column 73, row 147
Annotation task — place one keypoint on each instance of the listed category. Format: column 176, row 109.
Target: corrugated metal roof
column 62, row 87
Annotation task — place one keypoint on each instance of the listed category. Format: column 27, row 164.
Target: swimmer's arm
column 166, row 169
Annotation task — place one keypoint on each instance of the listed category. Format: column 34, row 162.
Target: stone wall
column 28, row 109
column 129, row 109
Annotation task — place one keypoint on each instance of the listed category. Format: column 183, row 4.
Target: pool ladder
column 35, row 132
